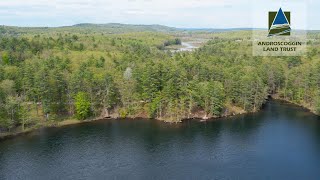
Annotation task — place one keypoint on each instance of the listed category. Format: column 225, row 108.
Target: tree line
column 54, row 77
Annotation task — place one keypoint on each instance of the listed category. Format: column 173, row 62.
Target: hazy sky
column 176, row 13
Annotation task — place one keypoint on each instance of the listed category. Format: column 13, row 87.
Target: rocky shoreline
column 199, row 114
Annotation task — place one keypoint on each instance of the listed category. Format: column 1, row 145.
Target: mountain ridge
column 115, row 28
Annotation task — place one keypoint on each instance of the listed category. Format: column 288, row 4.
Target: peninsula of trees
column 87, row 71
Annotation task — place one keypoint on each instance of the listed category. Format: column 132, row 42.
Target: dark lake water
column 280, row 142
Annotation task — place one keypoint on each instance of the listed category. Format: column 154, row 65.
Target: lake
column 280, row 142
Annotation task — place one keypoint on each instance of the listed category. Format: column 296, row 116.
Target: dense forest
column 54, row 74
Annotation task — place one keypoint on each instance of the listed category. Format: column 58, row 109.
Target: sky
column 174, row 13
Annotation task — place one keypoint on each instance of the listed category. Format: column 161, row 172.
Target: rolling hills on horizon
column 110, row 28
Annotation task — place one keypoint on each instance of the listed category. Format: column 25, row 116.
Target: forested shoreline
column 55, row 75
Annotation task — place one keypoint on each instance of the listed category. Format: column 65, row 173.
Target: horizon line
column 168, row 26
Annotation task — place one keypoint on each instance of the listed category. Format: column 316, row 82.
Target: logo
column 279, row 23
column 286, row 35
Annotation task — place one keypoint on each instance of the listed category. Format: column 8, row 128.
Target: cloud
column 180, row 13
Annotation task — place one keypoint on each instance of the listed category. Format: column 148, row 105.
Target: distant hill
column 111, row 28
column 127, row 27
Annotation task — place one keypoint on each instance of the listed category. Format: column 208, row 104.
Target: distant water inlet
column 187, row 46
